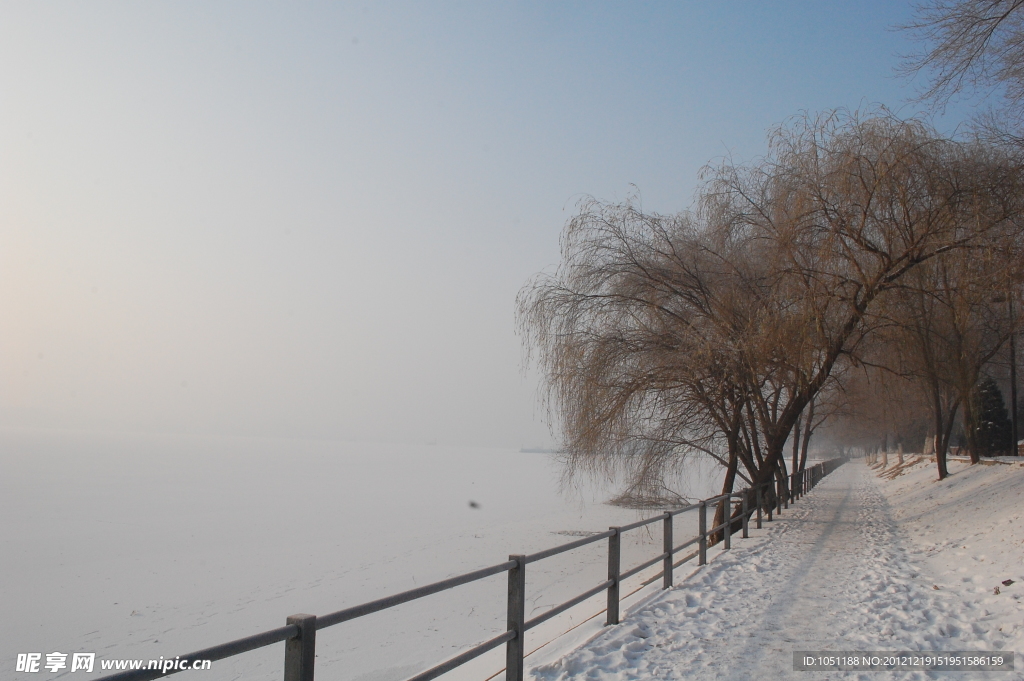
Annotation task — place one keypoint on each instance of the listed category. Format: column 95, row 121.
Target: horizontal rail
column 559, row 609
column 411, row 595
column 463, row 658
column 688, row 542
column 653, row 578
column 716, row 528
column 684, row 509
column 642, row 566
column 713, row 500
column 218, row 652
column 569, row 547
column 641, row 523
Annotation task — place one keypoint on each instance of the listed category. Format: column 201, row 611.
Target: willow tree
column 632, row 334
column 847, row 209
column 713, row 330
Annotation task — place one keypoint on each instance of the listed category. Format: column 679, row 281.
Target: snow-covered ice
column 141, row 546
column 861, row 563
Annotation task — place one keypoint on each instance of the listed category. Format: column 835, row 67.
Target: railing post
column 515, row 650
column 727, row 538
column 778, row 497
column 759, row 501
column 784, row 486
column 666, row 581
column 746, row 513
column 702, row 528
column 300, row 651
column 614, row 552
column 770, row 506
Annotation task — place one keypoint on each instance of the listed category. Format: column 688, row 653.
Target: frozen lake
column 141, row 546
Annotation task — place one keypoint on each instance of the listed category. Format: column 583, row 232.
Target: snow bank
column 966, row 535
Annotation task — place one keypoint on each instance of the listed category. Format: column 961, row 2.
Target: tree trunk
column 943, row 430
column 943, row 426
column 971, row 429
column 808, row 427
column 796, row 446
column 723, row 505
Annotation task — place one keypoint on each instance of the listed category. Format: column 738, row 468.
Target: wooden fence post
column 515, row 650
column 300, row 651
column 702, row 528
column 759, row 502
column 727, row 537
column 614, row 554
column 746, row 513
column 666, row 582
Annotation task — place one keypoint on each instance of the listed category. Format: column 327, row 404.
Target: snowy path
column 832, row 574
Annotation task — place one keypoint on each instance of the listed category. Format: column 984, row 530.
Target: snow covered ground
column 862, row 563
column 141, row 546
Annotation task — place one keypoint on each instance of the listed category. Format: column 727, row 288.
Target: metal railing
column 299, row 632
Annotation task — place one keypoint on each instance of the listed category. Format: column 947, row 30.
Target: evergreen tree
column 993, row 428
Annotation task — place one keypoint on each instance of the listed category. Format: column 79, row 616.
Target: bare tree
column 954, row 323
column 847, row 208
column 713, row 331
column 974, row 46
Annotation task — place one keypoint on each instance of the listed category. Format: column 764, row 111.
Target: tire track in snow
column 832, row 573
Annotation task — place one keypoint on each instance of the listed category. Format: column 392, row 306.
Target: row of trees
column 864, row 271
column 736, row 327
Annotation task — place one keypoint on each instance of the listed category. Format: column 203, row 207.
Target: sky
column 311, row 220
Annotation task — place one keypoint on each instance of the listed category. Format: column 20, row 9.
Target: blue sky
column 311, row 220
